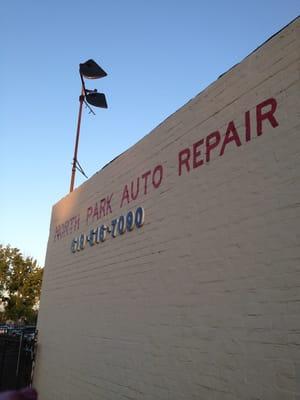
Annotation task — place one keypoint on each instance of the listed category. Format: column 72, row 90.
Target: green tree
column 20, row 285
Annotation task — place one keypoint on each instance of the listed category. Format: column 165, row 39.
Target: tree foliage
column 20, row 285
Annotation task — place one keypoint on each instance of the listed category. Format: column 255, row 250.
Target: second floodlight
column 96, row 99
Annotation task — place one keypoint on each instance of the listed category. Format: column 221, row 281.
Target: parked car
column 3, row 329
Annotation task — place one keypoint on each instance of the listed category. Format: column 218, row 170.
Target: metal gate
column 17, row 354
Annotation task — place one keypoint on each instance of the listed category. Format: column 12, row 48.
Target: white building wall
column 202, row 301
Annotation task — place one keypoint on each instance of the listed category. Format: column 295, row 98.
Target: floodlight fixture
column 96, row 99
column 90, row 70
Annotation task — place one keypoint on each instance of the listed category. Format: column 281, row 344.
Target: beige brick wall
column 203, row 301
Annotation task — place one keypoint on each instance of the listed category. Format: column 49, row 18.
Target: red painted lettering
column 57, row 233
column 89, row 213
column 145, row 177
column 196, row 153
column 247, row 126
column 67, row 227
column 95, row 213
column 102, row 208
column 184, row 159
column 108, row 205
column 72, row 224
column 211, row 142
column 230, row 135
column 264, row 111
column 125, row 196
column 260, row 116
column 135, row 195
column 158, row 172
column 77, row 222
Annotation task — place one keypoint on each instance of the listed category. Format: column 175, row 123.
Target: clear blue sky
column 158, row 55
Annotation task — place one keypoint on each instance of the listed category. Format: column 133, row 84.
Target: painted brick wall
column 202, row 301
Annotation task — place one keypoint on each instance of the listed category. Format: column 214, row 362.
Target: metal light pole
column 90, row 70
column 74, row 165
